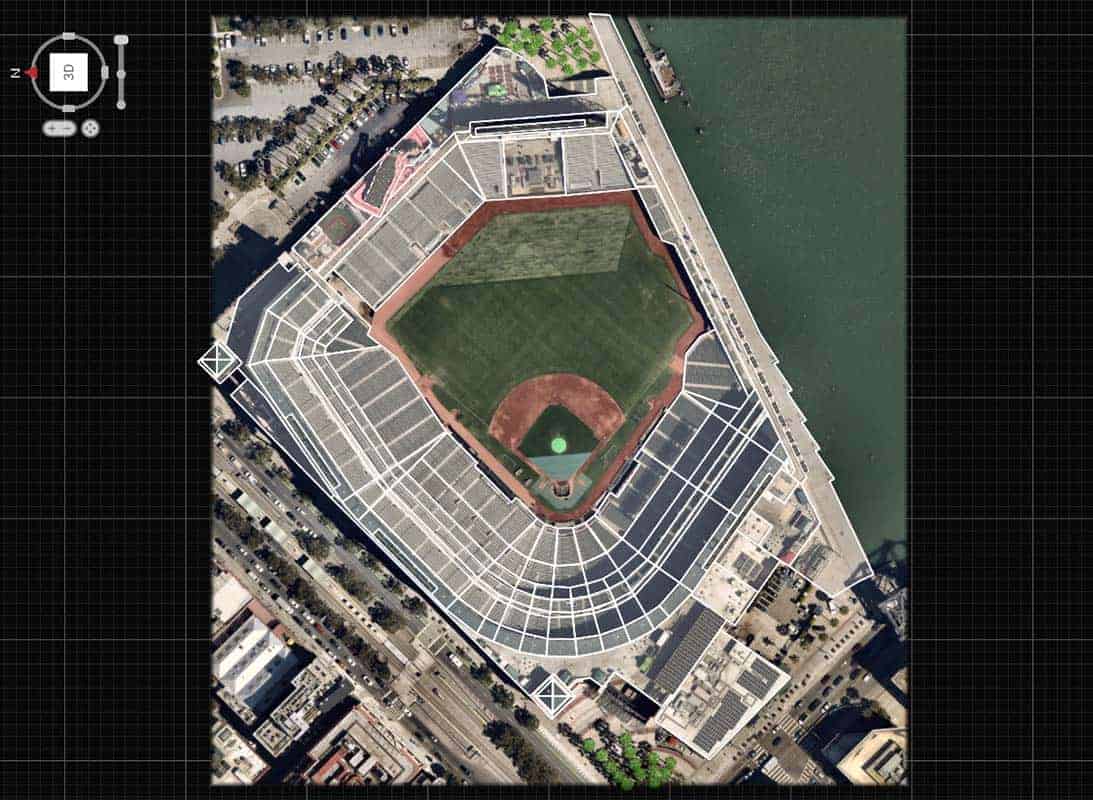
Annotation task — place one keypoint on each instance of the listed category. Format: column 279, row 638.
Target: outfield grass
column 543, row 244
column 480, row 340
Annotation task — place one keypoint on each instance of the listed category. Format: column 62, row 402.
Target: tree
column 502, row 696
column 526, row 718
column 546, row 24
column 588, row 745
column 594, row 56
column 316, row 546
column 354, row 585
column 383, row 616
column 242, row 89
column 481, row 673
column 233, row 427
column 379, row 668
column 414, row 604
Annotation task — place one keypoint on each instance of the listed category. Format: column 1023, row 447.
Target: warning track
column 601, row 414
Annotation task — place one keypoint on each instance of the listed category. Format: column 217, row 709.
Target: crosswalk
column 777, row 773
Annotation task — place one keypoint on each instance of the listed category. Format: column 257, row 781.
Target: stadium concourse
column 543, row 599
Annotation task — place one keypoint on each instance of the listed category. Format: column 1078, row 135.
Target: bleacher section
column 592, row 164
column 532, row 586
column 484, row 158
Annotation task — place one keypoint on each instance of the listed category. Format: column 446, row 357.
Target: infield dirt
column 428, row 270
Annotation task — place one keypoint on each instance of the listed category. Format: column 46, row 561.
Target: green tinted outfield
column 479, row 340
column 541, row 244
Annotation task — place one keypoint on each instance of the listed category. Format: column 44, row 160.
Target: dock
column 664, row 76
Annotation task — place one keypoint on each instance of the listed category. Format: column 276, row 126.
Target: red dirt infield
column 587, row 400
column 459, row 239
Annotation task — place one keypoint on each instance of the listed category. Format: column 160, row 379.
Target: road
column 459, row 708
column 848, row 563
column 473, row 699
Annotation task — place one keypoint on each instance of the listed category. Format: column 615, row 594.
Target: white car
column 318, row 36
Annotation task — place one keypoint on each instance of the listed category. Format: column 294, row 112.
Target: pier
column 664, row 76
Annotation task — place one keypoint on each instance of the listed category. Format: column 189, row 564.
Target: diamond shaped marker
column 552, row 695
column 219, row 361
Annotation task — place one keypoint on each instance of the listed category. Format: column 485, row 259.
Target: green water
column 801, row 170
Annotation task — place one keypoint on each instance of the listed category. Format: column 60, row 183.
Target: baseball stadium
column 514, row 376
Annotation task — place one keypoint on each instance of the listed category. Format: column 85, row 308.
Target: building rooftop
column 880, row 759
column 250, row 659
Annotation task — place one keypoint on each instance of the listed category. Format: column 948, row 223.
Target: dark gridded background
column 104, row 282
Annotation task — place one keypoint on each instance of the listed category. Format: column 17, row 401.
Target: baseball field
column 554, row 293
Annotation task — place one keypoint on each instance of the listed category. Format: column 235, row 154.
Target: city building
column 360, row 751
column 234, row 762
column 880, row 759
column 314, row 692
column 249, row 665
column 229, row 598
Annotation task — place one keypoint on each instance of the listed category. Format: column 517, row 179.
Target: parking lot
column 338, row 164
column 431, row 45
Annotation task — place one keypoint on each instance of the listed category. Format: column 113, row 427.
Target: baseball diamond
column 544, row 291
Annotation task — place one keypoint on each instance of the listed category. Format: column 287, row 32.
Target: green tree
column 482, row 674
column 588, row 745
column 316, row 546
column 383, row 616
column 526, row 718
column 502, row 696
